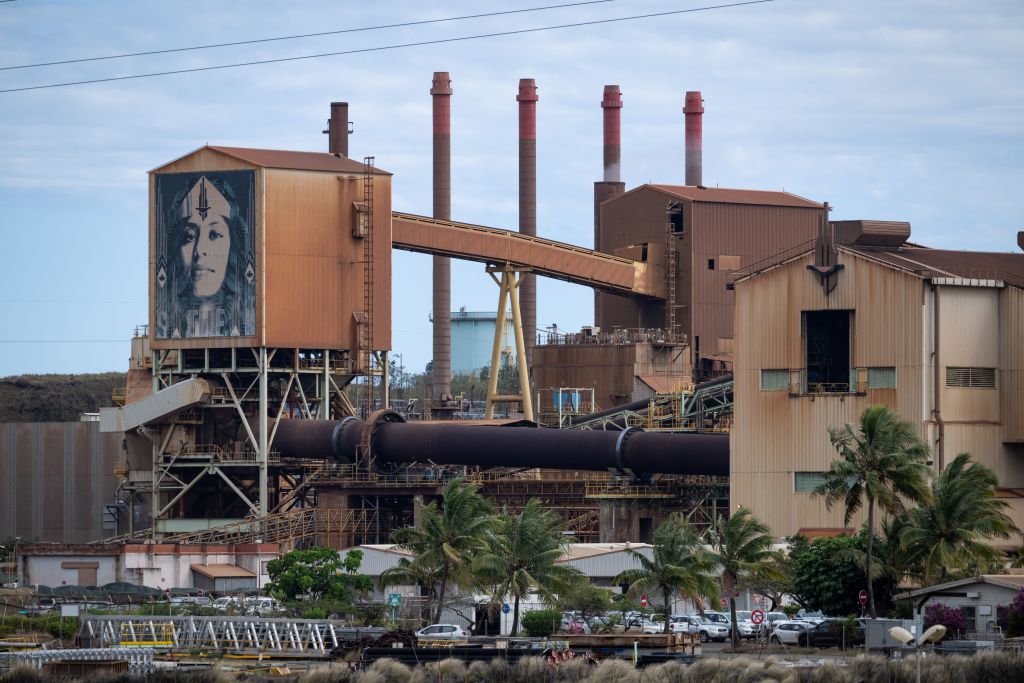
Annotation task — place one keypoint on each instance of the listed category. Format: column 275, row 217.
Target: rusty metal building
column 862, row 318
column 57, row 481
column 709, row 233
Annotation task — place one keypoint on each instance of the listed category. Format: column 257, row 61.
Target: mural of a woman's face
column 206, row 243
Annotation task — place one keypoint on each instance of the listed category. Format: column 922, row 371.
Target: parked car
column 645, row 625
column 830, row 633
column 808, row 616
column 789, row 632
column 442, row 632
column 704, row 629
column 227, row 603
column 262, row 605
column 200, row 600
column 745, row 628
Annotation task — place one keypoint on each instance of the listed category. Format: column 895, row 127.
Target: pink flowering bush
column 950, row 617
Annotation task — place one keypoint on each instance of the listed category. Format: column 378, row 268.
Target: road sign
column 725, row 602
column 757, row 616
column 505, row 609
column 643, row 600
column 394, row 600
column 863, row 597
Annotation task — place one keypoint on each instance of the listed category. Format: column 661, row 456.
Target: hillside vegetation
column 55, row 398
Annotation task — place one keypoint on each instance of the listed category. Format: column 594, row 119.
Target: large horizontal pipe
column 387, row 440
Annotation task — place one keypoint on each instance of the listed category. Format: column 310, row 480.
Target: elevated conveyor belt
column 614, row 274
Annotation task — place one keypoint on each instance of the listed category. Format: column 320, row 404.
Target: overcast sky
column 910, row 110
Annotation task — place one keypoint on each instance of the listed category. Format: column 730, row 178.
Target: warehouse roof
column 222, row 571
column 302, row 161
column 1008, row 267
column 724, row 195
column 287, row 159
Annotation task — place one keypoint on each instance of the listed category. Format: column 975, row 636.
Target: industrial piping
column 386, row 439
column 694, row 110
column 441, row 92
column 527, row 99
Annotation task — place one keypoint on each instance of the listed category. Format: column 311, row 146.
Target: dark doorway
column 827, row 334
column 646, row 529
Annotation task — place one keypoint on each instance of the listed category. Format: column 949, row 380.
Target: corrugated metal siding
column 608, row 565
column 752, row 233
column 55, row 478
column 315, row 266
column 1011, row 363
column 605, row 367
column 166, row 401
column 774, row 434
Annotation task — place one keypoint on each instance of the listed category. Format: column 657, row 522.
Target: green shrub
column 315, row 613
column 542, row 622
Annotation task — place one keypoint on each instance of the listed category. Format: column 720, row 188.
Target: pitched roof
column 222, row 571
column 981, row 265
column 301, row 161
column 1011, row 581
column 724, row 195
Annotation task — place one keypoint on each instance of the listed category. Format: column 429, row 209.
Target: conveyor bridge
column 498, row 247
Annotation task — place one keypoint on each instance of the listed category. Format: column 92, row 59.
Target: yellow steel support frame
column 508, row 289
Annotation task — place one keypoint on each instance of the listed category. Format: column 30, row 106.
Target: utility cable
column 383, row 48
column 255, row 41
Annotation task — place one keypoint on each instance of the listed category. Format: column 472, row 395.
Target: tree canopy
column 679, row 564
column 952, row 533
column 316, row 574
column 881, row 462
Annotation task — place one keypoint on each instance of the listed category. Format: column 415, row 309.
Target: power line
column 255, row 41
column 66, row 301
column 63, row 341
column 382, row 48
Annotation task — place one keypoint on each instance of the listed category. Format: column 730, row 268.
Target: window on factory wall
column 711, row 264
column 971, row 378
column 675, row 218
column 806, row 482
column 881, row 378
column 827, row 350
column 774, row 380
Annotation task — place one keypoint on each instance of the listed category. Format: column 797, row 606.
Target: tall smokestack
column 442, row 368
column 527, row 99
column 337, row 129
column 694, row 111
column 611, row 186
column 611, row 104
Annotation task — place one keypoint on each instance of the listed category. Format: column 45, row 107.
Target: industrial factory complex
column 731, row 329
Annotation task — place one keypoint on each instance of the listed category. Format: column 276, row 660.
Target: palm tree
column 679, row 563
column 880, row 462
column 446, row 542
column 523, row 555
column 954, row 529
column 742, row 546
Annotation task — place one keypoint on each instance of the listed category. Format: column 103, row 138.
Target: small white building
column 978, row 598
column 155, row 565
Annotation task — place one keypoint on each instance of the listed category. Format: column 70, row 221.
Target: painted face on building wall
column 206, row 243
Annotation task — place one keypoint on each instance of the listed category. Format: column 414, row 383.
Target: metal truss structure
column 140, row 660
column 258, row 636
column 194, row 460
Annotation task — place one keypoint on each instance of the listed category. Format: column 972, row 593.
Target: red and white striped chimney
column 527, row 99
column 611, row 104
column 694, row 111
column 611, row 185
column 441, row 376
